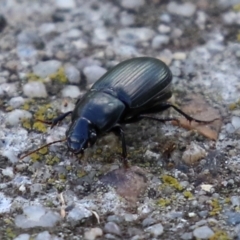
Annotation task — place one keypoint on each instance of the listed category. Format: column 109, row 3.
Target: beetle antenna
column 46, row 145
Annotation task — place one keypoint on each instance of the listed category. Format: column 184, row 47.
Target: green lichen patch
column 163, row 202
column 188, row 194
column 31, row 77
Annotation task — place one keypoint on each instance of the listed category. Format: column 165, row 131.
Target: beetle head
column 81, row 135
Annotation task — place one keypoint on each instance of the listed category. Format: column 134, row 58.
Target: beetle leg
column 56, row 120
column 159, row 107
column 165, row 106
column 120, row 133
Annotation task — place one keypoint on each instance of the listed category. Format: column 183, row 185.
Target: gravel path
column 181, row 185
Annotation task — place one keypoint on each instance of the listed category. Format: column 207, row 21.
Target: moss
column 173, row 182
column 187, row 194
column 163, row 202
column 59, row 76
column 220, row 235
column 216, row 208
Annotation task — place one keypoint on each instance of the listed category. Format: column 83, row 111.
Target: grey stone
column 132, row 4
column 35, row 90
column 23, row 236
column 65, row 5
column 113, row 228
column 156, row 230
column 72, row 74
column 203, row 232
column 46, row 68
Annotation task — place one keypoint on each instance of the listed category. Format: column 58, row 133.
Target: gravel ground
column 181, row 185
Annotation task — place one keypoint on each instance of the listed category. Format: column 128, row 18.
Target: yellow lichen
column 216, row 208
column 62, row 176
column 59, row 76
column 43, row 151
column 10, row 234
column 163, row 202
column 26, row 123
column 52, row 160
column 81, row 173
column 187, row 194
column 33, row 77
column 35, row 157
column 40, row 127
column 236, row 7
column 220, row 235
column 173, row 182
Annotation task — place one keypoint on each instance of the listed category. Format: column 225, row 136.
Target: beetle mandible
column 127, row 93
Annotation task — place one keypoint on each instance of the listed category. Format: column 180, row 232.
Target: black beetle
column 127, row 93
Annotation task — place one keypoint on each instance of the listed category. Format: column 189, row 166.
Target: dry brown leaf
column 197, row 107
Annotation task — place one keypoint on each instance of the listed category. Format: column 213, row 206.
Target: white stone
column 179, row 56
column 93, row 73
column 72, row 74
column 14, row 117
column 23, row 236
column 9, row 89
column 159, row 40
column 135, row 35
column 156, row 230
column 8, row 171
column 16, row 102
column 65, row 4
column 71, row 91
column 162, row 28
column 132, row 4
column 46, row 68
column 186, row 9
column 35, row 90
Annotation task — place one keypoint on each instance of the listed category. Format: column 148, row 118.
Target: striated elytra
column 127, row 93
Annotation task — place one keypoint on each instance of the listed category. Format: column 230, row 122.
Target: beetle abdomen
column 136, row 81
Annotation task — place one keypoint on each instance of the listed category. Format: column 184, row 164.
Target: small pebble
column 71, row 91
column 193, row 154
column 8, row 171
column 126, row 19
column 93, row 233
column 78, row 214
column 14, row 117
column 72, row 74
column 133, row 36
column 203, row 232
column 179, row 56
column 16, row 102
column 65, row 5
column 36, row 216
column 155, row 230
column 46, row 68
column 9, row 89
column 132, row 4
column 159, row 40
column 73, row 34
column 162, row 28
column 235, row 122
column 148, row 222
column 35, row 90
column 93, row 73
column 187, row 236
column 113, row 228
column 23, row 236
column 46, row 236
column 186, row 9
